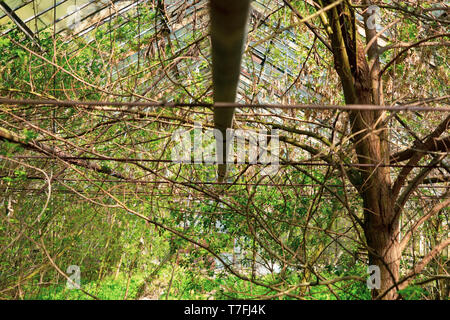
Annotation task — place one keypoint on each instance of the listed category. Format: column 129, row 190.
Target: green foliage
column 413, row 293
column 106, row 289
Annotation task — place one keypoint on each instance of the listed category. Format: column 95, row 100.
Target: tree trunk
column 381, row 225
column 383, row 248
column 370, row 140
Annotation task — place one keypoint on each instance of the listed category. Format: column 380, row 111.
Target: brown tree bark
column 370, row 139
column 381, row 224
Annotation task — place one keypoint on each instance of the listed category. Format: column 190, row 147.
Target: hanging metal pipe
column 229, row 21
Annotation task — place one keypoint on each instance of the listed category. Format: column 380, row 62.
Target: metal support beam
column 19, row 23
column 229, row 22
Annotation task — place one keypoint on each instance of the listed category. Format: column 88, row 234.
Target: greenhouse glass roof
column 185, row 21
